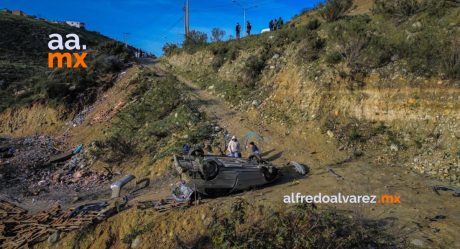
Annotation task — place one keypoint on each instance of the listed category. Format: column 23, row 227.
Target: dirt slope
column 307, row 144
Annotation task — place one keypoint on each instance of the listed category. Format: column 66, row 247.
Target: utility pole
column 186, row 18
column 245, row 8
column 125, row 38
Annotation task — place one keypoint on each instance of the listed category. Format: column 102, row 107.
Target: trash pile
column 28, row 152
column 33, row 165
column 80, row 117
column 18, row 229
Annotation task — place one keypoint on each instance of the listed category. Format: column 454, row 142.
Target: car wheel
column 269, row 176
column 209, row 169
column 197, row 153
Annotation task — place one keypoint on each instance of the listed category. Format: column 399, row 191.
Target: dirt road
column 422, row 217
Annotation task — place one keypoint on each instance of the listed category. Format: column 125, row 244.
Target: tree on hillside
column 333, row 10
column 195, row 38
column 217, row 34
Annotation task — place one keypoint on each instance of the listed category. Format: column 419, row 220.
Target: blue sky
column 152, row 23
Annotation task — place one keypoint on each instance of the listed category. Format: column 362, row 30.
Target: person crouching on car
column 234, row 148
column 253, row 149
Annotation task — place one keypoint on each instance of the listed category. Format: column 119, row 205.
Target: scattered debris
column 438, row 188
column 339, row 177
column 163, row 204
column 118, row 185
column 438, row 217
column 299, row 168
column 18, row 229
column 36, row 165
column 182, row 192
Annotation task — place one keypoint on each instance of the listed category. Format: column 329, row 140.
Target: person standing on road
column 234, row 147
column 248, row 28
column 279, row 23
column 238, row 30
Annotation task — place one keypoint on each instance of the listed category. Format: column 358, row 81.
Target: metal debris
column 163, row 205
column 339, row 177
column 118, row 185
column 438, row 188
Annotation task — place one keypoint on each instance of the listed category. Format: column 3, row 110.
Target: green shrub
column 311, row 48
column 115, row 48
column 333, row 57
column 423, row 51
column 194, row 40
column 224, row 52
column 333, row 10
column 398, row 8
column 313, row 24
column 170, row 49
column 451, row 60
column 252, row 69
column 350, row 38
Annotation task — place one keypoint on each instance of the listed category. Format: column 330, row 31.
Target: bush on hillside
column 217, row 34
column 311, row 48
column 313, row 24
column 333, row 10
column 194, row 39
column 399, row 8
column 350, row 38
column 115, row 48
column 170, row 49
column 253, row 68
column 223, row 53
column 451, row 60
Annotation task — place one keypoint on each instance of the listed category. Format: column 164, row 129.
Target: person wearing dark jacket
column 248, row 28
column 238, row 30
column 279, row 23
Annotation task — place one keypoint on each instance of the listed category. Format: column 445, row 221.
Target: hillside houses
column 75, row 24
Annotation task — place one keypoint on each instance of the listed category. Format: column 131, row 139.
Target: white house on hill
column 75, row 24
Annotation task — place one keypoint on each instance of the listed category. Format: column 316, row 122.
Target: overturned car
column 211, row 175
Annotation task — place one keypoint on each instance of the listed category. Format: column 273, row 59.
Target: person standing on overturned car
column 234, row 148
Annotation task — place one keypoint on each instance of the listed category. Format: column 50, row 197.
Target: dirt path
column 413, row 219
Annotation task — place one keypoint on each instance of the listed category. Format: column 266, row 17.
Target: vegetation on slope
column 422, row 36
column 161, row 118
column 25, row 78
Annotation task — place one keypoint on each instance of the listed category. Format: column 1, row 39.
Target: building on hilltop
column 75, row 24
column 6, row 11
column 19, row 13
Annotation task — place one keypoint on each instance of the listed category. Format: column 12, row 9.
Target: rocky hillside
column 387, row 78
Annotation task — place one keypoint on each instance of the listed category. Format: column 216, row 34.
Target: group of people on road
column 238, row 29
column 276, row 24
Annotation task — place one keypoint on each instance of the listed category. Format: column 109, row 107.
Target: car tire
column 209, row 169
column 197, row 153
column 269, row 176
